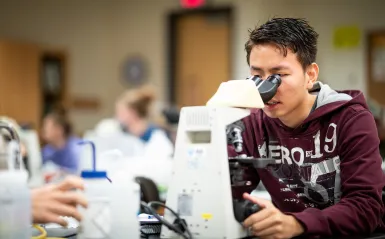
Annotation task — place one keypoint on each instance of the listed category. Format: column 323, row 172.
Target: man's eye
column 282, row 75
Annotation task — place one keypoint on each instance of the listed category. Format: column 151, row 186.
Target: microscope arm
column 245, row 178
column 202, row 168
column 243, row 174
column 258, row 163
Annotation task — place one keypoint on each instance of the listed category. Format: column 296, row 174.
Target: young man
column 327, row 179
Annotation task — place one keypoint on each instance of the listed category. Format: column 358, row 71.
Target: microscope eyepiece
column 275, row 79
column 267, row 88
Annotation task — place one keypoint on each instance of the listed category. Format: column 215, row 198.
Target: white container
column 15, row 205
column 15, row 198
column 96, row 219
column 125, row 206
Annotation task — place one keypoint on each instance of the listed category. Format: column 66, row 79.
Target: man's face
column 124, row 114
column 51, row 131
column 120, row 112
column 266, row 60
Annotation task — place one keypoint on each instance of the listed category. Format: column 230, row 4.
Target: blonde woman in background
column 133, row 110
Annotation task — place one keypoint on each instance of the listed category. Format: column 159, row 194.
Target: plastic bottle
column 125, row 205
column 15, row 198
column 96, row 219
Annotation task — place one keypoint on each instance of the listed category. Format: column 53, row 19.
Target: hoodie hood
column 327, row 95
column 329, row 100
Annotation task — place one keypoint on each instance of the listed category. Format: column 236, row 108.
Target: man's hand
column 270, row 223
column 52, row 201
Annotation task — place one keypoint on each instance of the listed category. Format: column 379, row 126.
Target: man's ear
column 311, row 75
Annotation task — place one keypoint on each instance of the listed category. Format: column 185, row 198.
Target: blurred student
column 61, row 147
column 133, row 113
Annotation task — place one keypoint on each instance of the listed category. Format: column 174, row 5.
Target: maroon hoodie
column 328, row 170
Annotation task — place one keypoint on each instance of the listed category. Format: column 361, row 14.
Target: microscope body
column 201, row 187
column 9, row 143
column 207, row 186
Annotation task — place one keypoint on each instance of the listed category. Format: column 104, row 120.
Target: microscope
column 205, row 186
column 9, row 135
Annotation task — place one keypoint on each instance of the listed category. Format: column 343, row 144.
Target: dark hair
column 60, row 118
column 294, row 34
column 139, row 99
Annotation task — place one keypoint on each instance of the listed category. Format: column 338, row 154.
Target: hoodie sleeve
column 360, row 209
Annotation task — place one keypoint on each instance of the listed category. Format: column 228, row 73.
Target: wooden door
column 20, row 91
column 376, row 67
column 202, row 57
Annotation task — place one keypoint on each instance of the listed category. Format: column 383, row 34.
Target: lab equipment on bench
column 113, row 204
column 205, row 179
column 30, row 139
column 96, row 221
column 15, row 199
column 125, row 206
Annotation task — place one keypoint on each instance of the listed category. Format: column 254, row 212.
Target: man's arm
column 360, row 209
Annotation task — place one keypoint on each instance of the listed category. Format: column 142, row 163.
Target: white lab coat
column 152, row 159
column 159, row 146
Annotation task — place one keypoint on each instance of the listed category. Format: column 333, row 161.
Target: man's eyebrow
column 255, row 68
column 276, row 68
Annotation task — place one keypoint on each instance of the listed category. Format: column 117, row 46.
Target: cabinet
column 22, row 80
column 20, row 91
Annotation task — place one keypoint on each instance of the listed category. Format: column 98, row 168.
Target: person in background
column 133, row 114
column 61, row 147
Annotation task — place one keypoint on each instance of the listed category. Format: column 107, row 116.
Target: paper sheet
column 346, row 37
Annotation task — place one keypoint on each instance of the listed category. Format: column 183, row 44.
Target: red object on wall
column 192, row 3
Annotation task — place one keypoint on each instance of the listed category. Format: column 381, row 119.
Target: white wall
column 79, row 27
column 99, row 35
